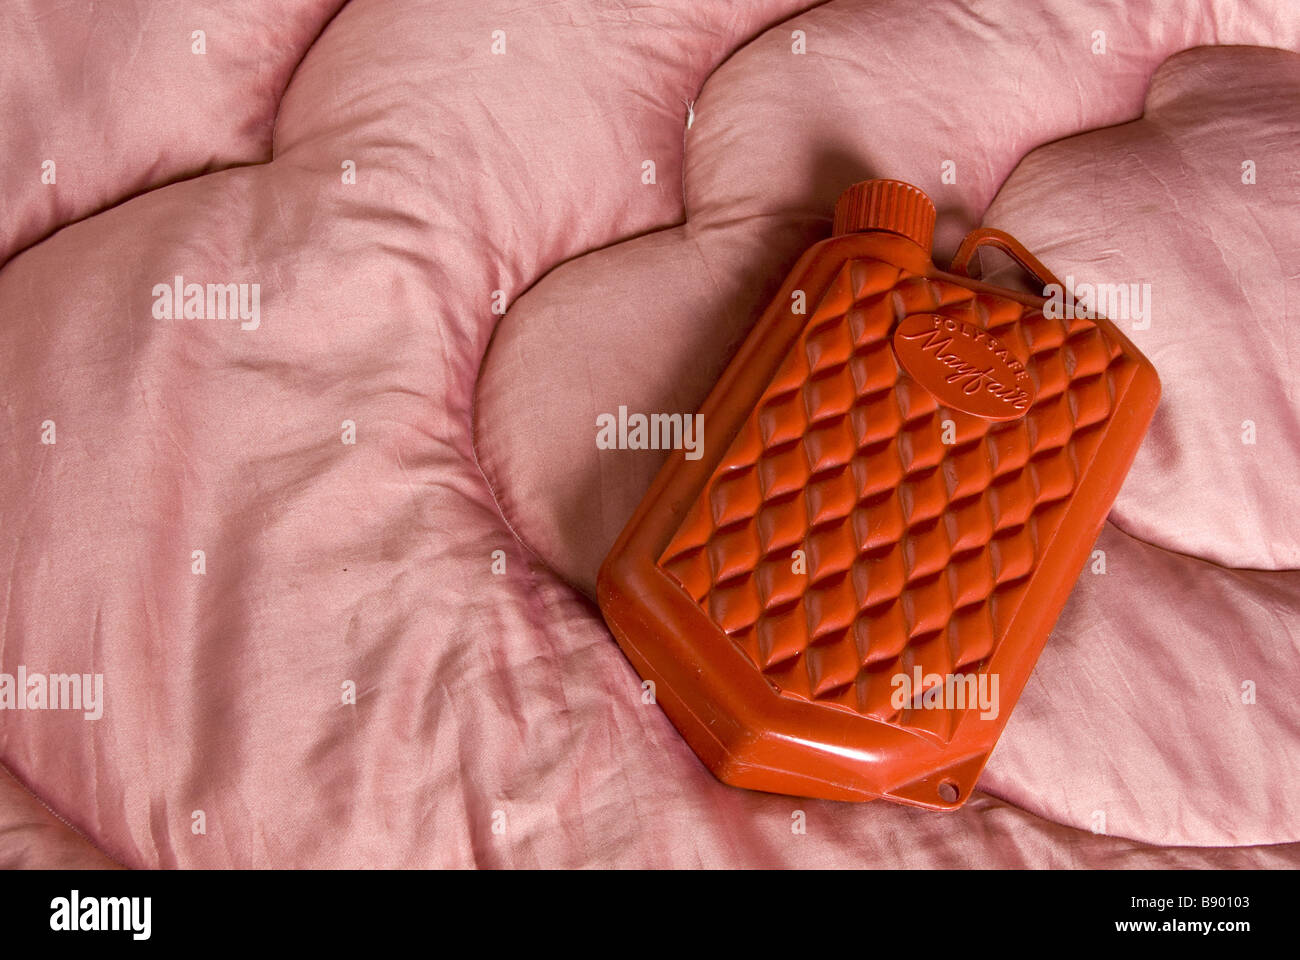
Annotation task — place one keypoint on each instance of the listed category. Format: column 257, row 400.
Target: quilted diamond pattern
column 917, row 551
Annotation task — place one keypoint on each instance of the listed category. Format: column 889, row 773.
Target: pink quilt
column 307, row 310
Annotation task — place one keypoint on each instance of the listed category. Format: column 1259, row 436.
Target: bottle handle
column 1007, row 244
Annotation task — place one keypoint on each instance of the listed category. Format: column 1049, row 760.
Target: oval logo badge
column 964, row 366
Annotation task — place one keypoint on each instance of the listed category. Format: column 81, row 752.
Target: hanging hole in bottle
column 948, row 792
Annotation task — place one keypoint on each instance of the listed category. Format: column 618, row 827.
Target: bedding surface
column 328, row 532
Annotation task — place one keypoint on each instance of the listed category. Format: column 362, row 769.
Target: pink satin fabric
column 388, row 653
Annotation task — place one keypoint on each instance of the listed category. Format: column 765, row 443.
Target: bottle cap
column 886, row 205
